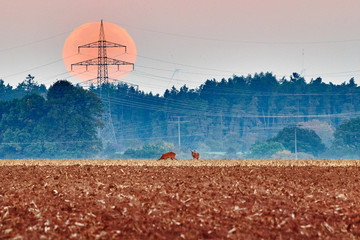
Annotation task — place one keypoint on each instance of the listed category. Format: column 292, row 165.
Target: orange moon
column 89, row 33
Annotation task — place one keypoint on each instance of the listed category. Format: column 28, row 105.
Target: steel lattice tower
column 102, row 62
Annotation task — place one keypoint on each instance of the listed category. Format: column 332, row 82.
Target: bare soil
column 185, row 199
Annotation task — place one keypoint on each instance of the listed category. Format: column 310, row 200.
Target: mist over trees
column 219, row 118
column 234, row 113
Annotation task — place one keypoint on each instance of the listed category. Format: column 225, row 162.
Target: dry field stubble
column 184, row 199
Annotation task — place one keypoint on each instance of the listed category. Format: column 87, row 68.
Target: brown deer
column 168, row 155
column 195, row 154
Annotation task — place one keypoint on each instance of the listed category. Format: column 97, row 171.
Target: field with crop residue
column 183, row 199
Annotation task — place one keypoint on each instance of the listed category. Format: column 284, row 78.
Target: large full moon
column 89, row 33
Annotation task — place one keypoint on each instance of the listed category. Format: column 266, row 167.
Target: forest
column 254, row 116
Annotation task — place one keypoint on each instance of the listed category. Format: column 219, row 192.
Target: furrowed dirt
column 185, row 199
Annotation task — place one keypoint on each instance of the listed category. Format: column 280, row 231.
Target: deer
column 195, row 154
column 168, row 155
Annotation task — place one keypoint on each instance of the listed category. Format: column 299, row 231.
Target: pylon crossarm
column 94, row 61
column 86, row 63
column 89, row 45
column 103, row 43
column 111, row 44
column 112, row 61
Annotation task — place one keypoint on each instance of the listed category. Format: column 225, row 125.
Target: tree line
column 242, row 116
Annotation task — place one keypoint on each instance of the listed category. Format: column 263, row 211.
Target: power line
column 202, row 106
column 47, row 142
column 234, row 72
column 254, row 129
column 143, row 138
column 181, row 110
column 224, row 90
column 34, row 42
column 244, row 41
column 37, row 67
column 185, row 72
column 233, row 91
column 185, row 65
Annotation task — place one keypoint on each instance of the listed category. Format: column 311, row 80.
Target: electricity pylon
column 179, row 132
column 102, row 62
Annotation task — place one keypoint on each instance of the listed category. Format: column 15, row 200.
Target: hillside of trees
column 230, row 117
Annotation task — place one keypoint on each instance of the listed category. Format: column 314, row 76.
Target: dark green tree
column 72, row 121
column 6, row 91
column 21, row 127
column 63, row 126
column 29, row 86
column 347, row 139
column 307, row 140
column 265, row 149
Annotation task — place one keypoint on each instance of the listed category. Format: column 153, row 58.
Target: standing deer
column 168, row 155
column 195, row 154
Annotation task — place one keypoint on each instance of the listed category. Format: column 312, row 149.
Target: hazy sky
column 189, row 41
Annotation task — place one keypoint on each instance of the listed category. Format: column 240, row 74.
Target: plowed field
column 185, row 199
